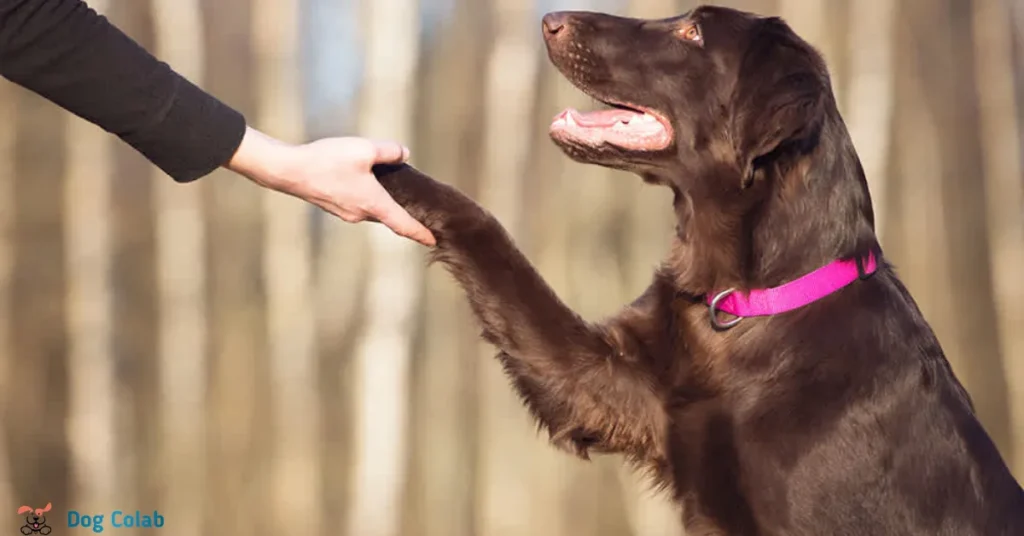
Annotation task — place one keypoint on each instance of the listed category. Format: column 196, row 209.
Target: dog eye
column 690, row 33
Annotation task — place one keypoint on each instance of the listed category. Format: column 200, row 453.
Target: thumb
column 399, row 221
column 390, row 152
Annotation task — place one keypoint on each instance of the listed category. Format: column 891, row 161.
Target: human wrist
column 263, row 159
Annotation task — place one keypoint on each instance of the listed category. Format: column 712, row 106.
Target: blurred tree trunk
column 96, row 444
column 383, row 356
column 8, row 366
column 977, row 354
column 8, row 517
column 444, row 417
column 340, row 272
column 181, row 286
column 604, row 496
column 1016, row 13
column 134, row 298
column 36, row 400
column 944, row 249
column 869, row 96
column 1002, row 139
column 287, row 269
column 237, row 428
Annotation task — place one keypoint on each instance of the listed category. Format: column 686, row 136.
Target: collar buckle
column 713, row 312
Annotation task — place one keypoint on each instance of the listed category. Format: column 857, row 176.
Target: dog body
column 841, row 417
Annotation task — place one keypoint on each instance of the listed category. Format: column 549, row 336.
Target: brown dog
column 829, row 407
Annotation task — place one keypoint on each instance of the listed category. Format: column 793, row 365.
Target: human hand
column 333, row 174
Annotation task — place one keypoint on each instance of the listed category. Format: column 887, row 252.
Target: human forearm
column 66, row 52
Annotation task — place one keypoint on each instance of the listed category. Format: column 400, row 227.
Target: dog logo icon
column 35, row 521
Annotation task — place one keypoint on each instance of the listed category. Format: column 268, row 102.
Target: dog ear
column 781, row 95
column 24, row 509
column 45, row 509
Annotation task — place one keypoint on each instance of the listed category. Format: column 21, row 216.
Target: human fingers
column 390, row 152
column 392, row 215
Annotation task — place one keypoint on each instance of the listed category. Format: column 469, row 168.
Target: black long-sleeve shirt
column 71, row 55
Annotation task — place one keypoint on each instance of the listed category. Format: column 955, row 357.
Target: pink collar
column 792, row 295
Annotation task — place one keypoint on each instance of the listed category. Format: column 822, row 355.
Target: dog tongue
column 602, row 118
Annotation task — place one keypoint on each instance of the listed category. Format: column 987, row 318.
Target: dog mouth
column 622, row 123
column 629, row 127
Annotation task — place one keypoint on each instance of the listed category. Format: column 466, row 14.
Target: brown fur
column 840, row 418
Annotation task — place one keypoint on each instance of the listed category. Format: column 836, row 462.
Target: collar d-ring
column 713, row 311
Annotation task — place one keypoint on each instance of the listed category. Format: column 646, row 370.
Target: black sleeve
column 71, row 55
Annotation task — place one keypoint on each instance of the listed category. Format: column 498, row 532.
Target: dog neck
column 813, row 207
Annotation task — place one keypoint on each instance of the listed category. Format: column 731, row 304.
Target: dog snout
column 555, row 24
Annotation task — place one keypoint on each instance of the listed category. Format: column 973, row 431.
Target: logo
column 35, row 521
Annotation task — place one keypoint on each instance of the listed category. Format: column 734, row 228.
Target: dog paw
column 440, row 207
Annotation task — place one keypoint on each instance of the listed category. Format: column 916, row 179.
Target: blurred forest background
column 225, row 355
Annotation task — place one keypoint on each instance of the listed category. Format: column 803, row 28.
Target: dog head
column 36, row 517
column 733, row 112
column 714, row 80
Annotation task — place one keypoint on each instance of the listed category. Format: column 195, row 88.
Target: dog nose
column 554, row 23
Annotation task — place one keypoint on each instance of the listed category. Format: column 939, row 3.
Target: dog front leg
column 590, row 385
